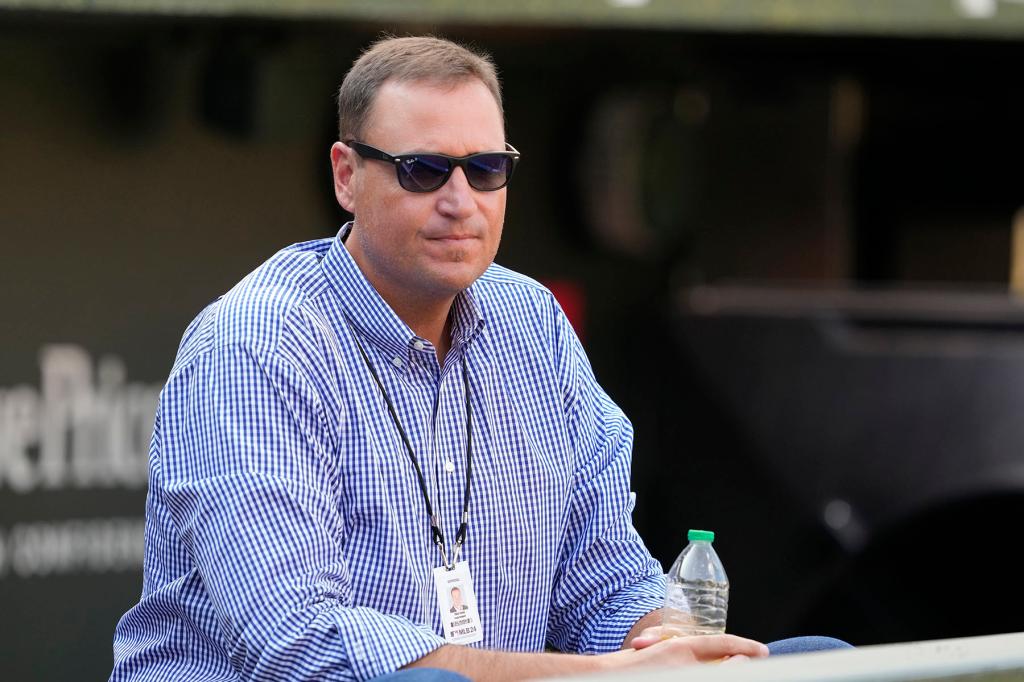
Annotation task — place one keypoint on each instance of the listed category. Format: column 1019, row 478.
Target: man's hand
column 652, row 635
column 657, row 646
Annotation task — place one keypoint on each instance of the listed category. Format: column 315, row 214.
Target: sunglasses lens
column 488, row 172
column 423, row 173
column 427, row 172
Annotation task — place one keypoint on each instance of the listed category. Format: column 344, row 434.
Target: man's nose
column 456, row 196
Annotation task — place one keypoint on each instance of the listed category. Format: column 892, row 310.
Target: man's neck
column 428, row 317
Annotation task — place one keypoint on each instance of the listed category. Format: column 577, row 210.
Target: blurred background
column 788, row 232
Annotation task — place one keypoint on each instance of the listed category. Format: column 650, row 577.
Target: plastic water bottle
column 697, row 596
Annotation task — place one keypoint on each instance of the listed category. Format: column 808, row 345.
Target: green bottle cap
column 701, row 535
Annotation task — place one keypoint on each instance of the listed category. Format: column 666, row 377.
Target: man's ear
column 343, row 165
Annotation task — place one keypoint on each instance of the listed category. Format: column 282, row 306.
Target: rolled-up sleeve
column 608, row 580
column 247, row 472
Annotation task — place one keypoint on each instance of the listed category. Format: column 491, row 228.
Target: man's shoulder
column 518, row 307
column 255, row 311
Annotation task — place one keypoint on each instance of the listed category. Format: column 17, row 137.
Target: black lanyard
column 437, row 535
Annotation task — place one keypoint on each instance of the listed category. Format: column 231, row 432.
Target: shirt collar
column 467, row 316
column 374, row 318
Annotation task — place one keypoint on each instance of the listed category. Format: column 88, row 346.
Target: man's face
column 423, row 247
column 457, row 598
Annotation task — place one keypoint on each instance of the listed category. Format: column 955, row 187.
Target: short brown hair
column 420, row 58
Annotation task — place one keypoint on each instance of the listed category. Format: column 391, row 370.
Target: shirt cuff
column 620, row 613
column 377, row 643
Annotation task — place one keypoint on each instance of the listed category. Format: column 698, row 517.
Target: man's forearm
column 484, row 664
column 479, row 664
column 651, row 620
column 505, row 665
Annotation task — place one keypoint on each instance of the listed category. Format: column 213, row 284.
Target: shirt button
column 396, row 361
column 418, row 345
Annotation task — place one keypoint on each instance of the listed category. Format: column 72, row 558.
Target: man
column 364, row 422
column 457, row 605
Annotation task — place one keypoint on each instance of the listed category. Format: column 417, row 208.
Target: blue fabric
column 422, row 675
column 286, row 537
column 803, row 645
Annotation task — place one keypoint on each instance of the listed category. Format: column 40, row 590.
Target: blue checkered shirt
column 286, row 536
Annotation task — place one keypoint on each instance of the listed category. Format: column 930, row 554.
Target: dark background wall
column 147, row 164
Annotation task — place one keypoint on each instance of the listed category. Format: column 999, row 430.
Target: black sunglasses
column 428, row 171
